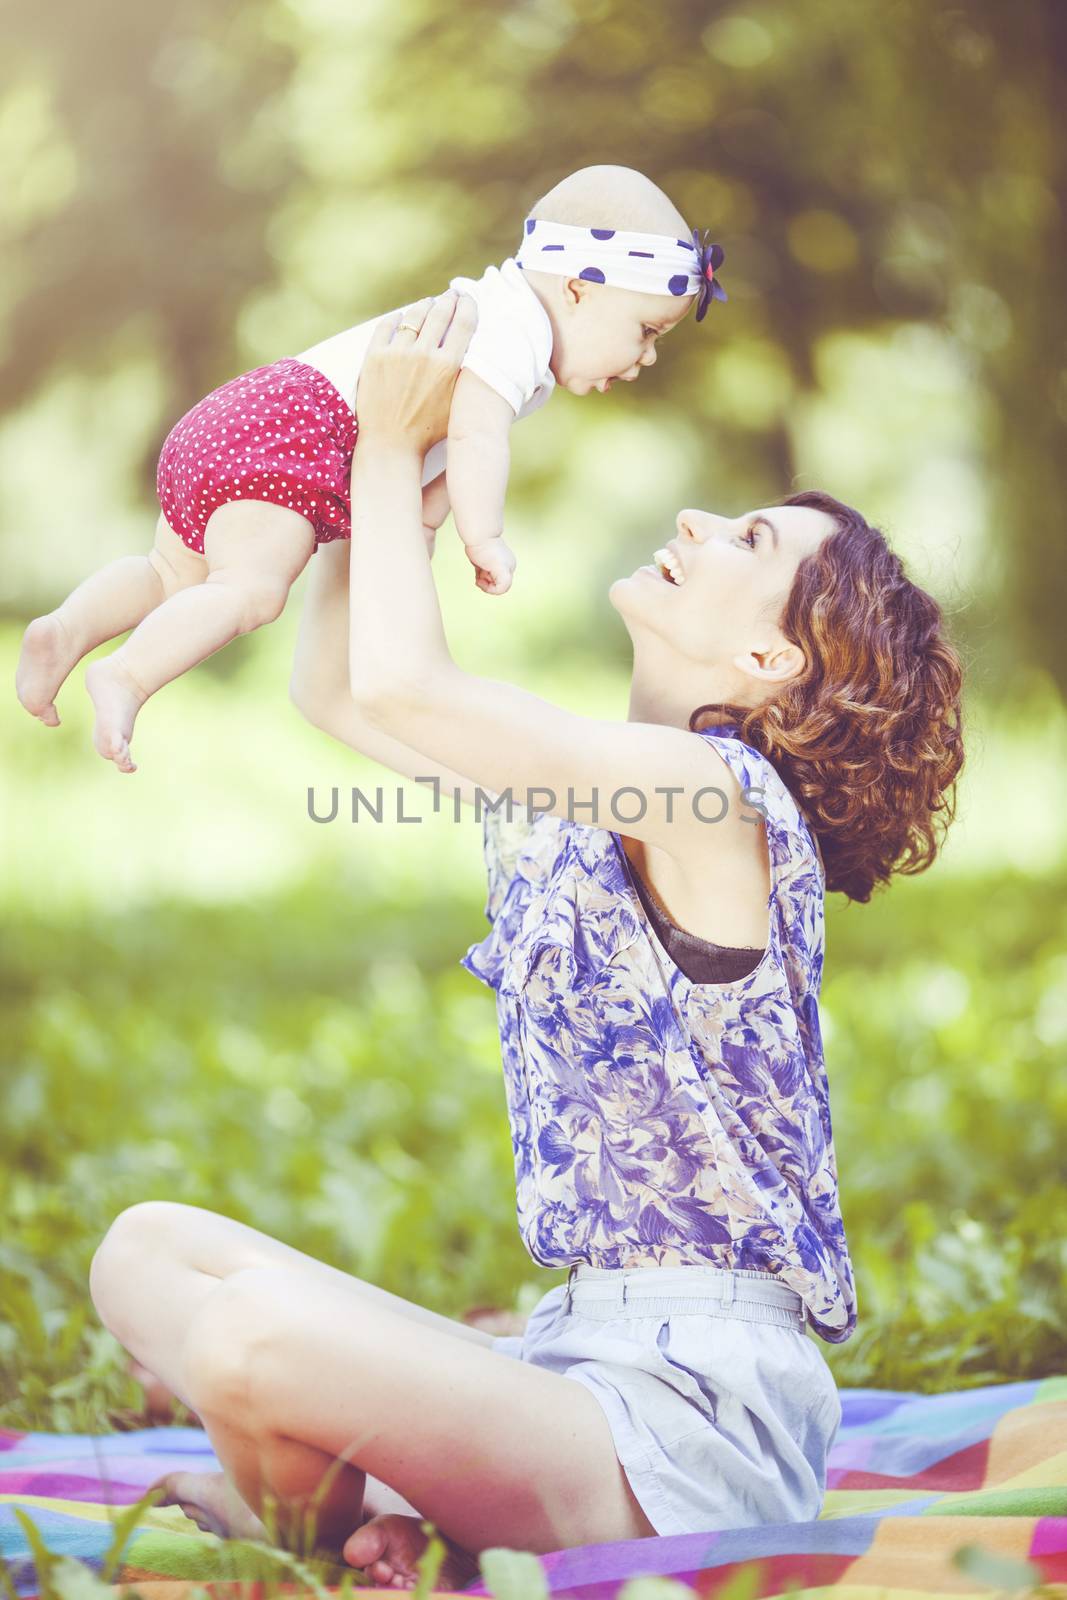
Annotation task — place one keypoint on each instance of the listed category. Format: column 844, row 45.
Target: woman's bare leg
column 108, row 603
column 144, row 1254
column 272, row 1357
column 255, row 551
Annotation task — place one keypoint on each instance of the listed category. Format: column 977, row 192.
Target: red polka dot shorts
column 281, row 433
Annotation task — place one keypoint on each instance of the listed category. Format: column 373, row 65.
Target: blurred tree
column 145, row 168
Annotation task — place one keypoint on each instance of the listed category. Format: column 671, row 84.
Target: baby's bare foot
column 117, row 699
column 387, row 1549
column 212, row 1502
column 47, row 655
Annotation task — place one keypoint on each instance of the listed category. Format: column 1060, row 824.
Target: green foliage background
column 211, row 998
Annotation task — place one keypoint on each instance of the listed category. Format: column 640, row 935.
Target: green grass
column 334, row 1079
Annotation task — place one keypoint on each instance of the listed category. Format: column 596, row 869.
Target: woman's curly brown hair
column 868, row 737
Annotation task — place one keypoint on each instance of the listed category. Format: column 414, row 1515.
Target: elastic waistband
column 604, row 1293
column 323, row 388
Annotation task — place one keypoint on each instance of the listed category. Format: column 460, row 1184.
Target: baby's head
column 602, row 332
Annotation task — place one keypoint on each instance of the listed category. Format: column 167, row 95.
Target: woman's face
column 730, row 578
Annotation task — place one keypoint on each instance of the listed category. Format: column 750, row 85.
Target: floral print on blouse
column 656, row 1121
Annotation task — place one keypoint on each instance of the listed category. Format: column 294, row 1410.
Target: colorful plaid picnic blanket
column 913, row 1480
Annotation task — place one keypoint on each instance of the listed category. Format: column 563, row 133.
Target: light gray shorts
column 721, row 1406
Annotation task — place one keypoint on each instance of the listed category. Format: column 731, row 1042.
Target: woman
column 657, row 994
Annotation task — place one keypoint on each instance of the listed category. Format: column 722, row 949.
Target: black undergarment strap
column 701, row 960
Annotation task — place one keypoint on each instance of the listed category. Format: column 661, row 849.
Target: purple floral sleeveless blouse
column 656, row 1121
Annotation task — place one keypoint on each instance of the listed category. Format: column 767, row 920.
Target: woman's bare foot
column 48, row 653
column 387, row 1548
column 211, row 1501
column 117, row 699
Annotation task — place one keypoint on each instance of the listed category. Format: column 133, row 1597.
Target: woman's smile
column 667, row 566
column 670, row 564
column 655, row 572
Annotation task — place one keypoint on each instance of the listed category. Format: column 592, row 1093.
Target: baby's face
column 608, row 334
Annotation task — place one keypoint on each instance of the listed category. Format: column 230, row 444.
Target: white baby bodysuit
column 510, row 349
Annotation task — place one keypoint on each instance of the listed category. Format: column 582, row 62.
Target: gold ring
column 406, row 327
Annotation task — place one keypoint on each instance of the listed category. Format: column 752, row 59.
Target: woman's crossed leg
column 294, row 1366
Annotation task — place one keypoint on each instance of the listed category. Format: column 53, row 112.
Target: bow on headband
column 711, row 257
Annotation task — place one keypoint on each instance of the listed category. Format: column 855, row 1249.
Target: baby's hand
column 493, row 563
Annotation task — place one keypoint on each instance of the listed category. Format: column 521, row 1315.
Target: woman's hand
column 405, row 387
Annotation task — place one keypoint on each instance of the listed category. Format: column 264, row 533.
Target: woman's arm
column 319, row 685
column 404, row 679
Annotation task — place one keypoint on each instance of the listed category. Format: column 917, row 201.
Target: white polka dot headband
column 651, row 263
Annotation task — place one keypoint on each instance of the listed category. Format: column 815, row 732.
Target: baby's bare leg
column 108, row 603
column 254, row 550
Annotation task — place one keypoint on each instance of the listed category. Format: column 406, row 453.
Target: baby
column 256, row 475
